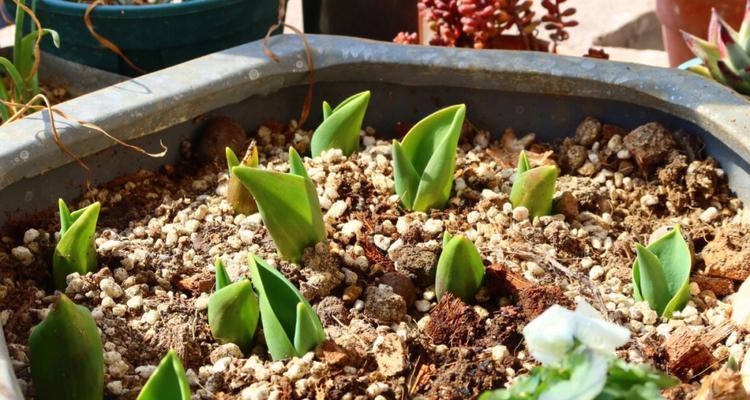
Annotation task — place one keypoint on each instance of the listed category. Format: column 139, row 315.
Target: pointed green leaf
column 430, row 149
column 340, row 127
column 652, row 285
column 736, row 56
column 26, row 55
column 523, row 163
column 308, row 332
column 168, row 382
column 65, row 218
column 446, row 238
column 237, row 194
column 233, row 314
column 405, row 176
column 222, row 277
column 327, row 110
column 460, row 269
column 76, row 251
column 296, row 166
column 534, row 189
column 66, row 354
column 744, row 35
column 279, row 311
column 707, row 52
column 675, row 258
column 289, row 207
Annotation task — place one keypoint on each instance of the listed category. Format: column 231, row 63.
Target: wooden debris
column 720, row 286
column 501, row 281
column 687, row 354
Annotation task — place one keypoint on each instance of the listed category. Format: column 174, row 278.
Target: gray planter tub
column 530, row 92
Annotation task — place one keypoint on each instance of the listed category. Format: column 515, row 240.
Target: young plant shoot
column 577, row 352
column 425, row 160
column 288, row 204
column 460, row 270
column 533, row 188
column 66, row 354
column 290, row 325
column 168, row 382
column 233, row 310
column 237, row 195
column 76, row 251
column 726, row 53
column 341, row 125
column 661, row 273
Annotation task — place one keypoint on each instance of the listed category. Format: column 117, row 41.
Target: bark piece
column 720, row 286
column 728, row 255
column 452, row 322
column 501, row 281
column 687, row 354
column 649, row 144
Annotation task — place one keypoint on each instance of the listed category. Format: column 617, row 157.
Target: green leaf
column 652, row 285
column 460, row 269
column 588, row 376
column 674, row 255
column 76, row 251
column 744, row 35
column 290, row 325
column 233, row 314
column 340, row 127
column 296, row 166
column 66, row 354
column 237, row 194
column 523, row 163
column 222, row 277
column 289, row 206
column 25, row 62
column 428, row 151
column 534, row 189
column 20, row 90
column 168, row 382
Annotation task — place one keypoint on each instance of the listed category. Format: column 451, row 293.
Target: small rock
column 351, row 293
column 710, row 214
column 588, row 131
column 110, row 288
column 422, row 305
column 23, row 255
column 417, row 264
column 567, row 205
column 499, row 353
column 741, row 306
column 332, row 311
column 30, row 236
column 728, row 254
column 218, row 134
column 383, row 305
column 401, row 285
column 390, row 354
column 225, row 350
column 520, row 213
column 256, row 391
column 377, row 388
column 649, row 144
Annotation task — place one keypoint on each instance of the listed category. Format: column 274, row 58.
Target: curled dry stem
column 101, row 39
column 308, row 53
column 56, row 135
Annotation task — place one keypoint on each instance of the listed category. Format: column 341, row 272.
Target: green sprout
column 23, row 76
column 290, row 325
column 66, row 354
column 533, row 188
column 168, row 382
column 425, row 160
column 661, row 273
column 76, row 251
column 288, row 204
column 460, row 269
column 726, row 53
column 237, row 195
column 233, row 310
column 341, row 125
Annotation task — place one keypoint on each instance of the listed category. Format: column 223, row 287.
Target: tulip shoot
column 341, row 125
column 288, row 204
column 168, row 382
column 76, row 251
column 534, row 188
column 237, row 195
column 290, row 325
column 460, row 270
column 425, row 160
column 66, row 354
column 233, row 310
column 661, row 273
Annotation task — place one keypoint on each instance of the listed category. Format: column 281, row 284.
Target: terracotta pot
column 692, row 16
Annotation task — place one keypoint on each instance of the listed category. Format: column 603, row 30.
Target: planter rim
column 182, row 92
column 141, row 11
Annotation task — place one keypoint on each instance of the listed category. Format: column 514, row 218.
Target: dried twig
column 104, row 41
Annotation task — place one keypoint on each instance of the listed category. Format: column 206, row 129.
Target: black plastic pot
column 371, row 19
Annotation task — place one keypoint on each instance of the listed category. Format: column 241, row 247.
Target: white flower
column 553, row 333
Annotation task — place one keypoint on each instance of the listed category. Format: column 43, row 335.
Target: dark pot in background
column 154, row 36
column 692, row 16
column 372, row 19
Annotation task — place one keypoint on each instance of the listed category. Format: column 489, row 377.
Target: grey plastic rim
column 153, row 103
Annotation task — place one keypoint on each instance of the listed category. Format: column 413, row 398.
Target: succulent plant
column 237, row 195
column 533, row 188
column 661, row 273
column 288, row 204
column 341, row 125
column 233, row 310
column 168, row 382
column 726, row 53
column 66, row 354
column 425, row 160
column 75, row 251
column 290, row 325
column 460, row 269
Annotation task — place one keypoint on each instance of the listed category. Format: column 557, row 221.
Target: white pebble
column 709, row 214
column 22, row 254
column 110, row 288
column 30, row 236
column 596, row 272
column 520, row 213
column 422, row 305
